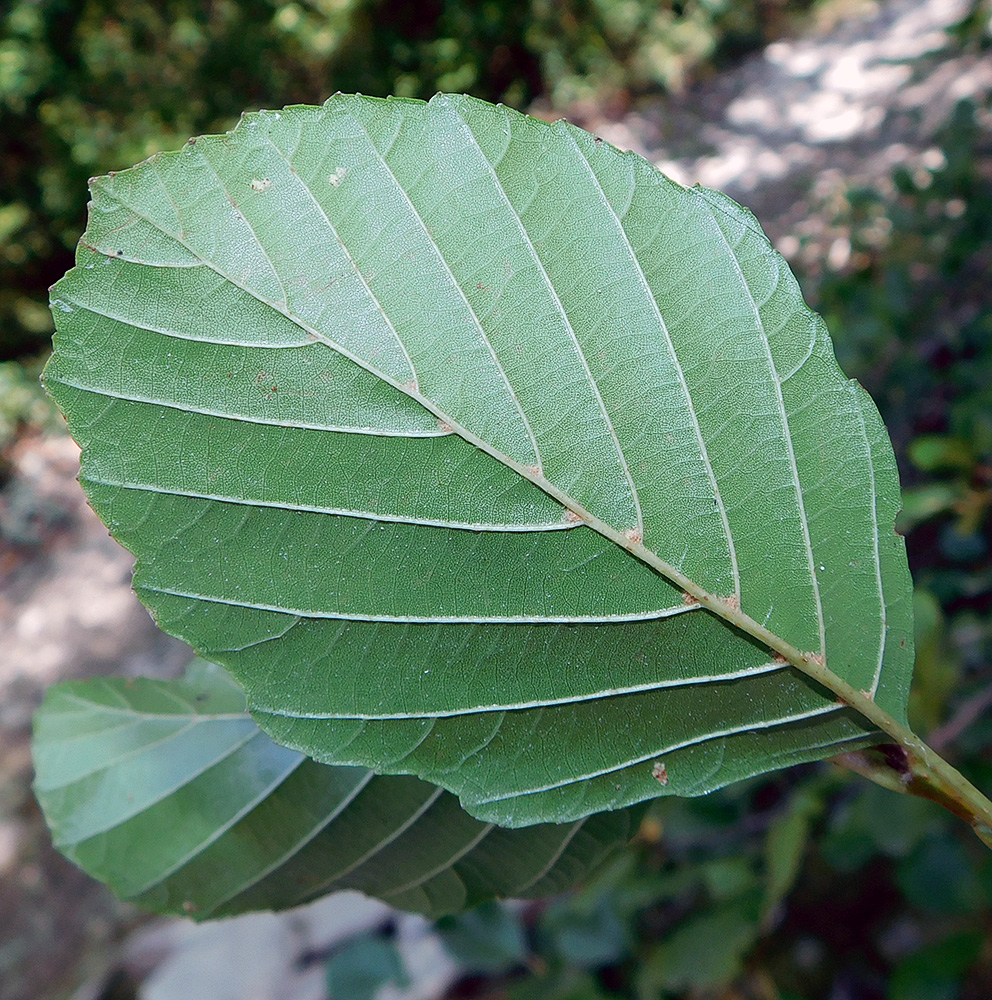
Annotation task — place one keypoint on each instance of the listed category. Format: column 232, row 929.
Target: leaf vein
column 676, row 361
column 662, row 751
column 567, row 326
column 786, row 432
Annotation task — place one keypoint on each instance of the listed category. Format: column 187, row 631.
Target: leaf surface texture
column 405, row 408
column 254, row 825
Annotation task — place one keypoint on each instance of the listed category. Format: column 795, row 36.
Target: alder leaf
column 480, row 450
column 253, row 825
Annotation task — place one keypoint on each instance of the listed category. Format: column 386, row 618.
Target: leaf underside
column 254, row 825
column 405, row 407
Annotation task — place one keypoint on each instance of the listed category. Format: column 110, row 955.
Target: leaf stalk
column 917, row 770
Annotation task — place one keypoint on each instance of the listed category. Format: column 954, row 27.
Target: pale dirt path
column 792, row 126
column 66, row 611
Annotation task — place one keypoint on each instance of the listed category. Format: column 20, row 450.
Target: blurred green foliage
column 23, row 403
column 913, row 316
column 88, row 86
column 360, row 969
column 806, row 886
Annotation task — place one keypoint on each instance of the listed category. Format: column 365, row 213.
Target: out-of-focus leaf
column 561, row 984
column 169, row 793
column 784, row 848
column 726, row 878
column 938, row 670
column 589, row 935
column 934, row 972
column 706, row 951
column 488, row 939
column 876, row 821
column 360, row 969
column 933, row 452
column 920, row 503
column 940, row 876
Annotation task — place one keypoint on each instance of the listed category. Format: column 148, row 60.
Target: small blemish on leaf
column 633, row 535
column 660, row 773
column 732, row 601
column 445, row 426
column 688, row 600
column 260, row 184
column 337, row 176
column 571, row 517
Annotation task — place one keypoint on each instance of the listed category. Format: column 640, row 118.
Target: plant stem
column 921, row 770
column 967, row 714
column 894, row 768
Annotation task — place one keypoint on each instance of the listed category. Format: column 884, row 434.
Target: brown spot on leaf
column 660, row 773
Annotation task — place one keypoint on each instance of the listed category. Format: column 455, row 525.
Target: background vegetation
column 88, row 86
column 805, row 885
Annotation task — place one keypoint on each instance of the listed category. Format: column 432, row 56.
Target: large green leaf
column 480, row 450
column 253, row 825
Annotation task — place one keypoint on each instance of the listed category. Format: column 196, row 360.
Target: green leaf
column 363, row 967
column 705, row 952
column 586, row 933
column 935, row 971
column 490, row 939
column 785, row 845
column 169, row 793
column 479, row 450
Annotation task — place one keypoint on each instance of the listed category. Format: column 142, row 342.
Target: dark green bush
column 88, row 86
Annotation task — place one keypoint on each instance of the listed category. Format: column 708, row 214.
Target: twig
column 967, row 714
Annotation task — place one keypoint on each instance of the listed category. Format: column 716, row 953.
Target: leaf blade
column 258, row 826
column 634, row 351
